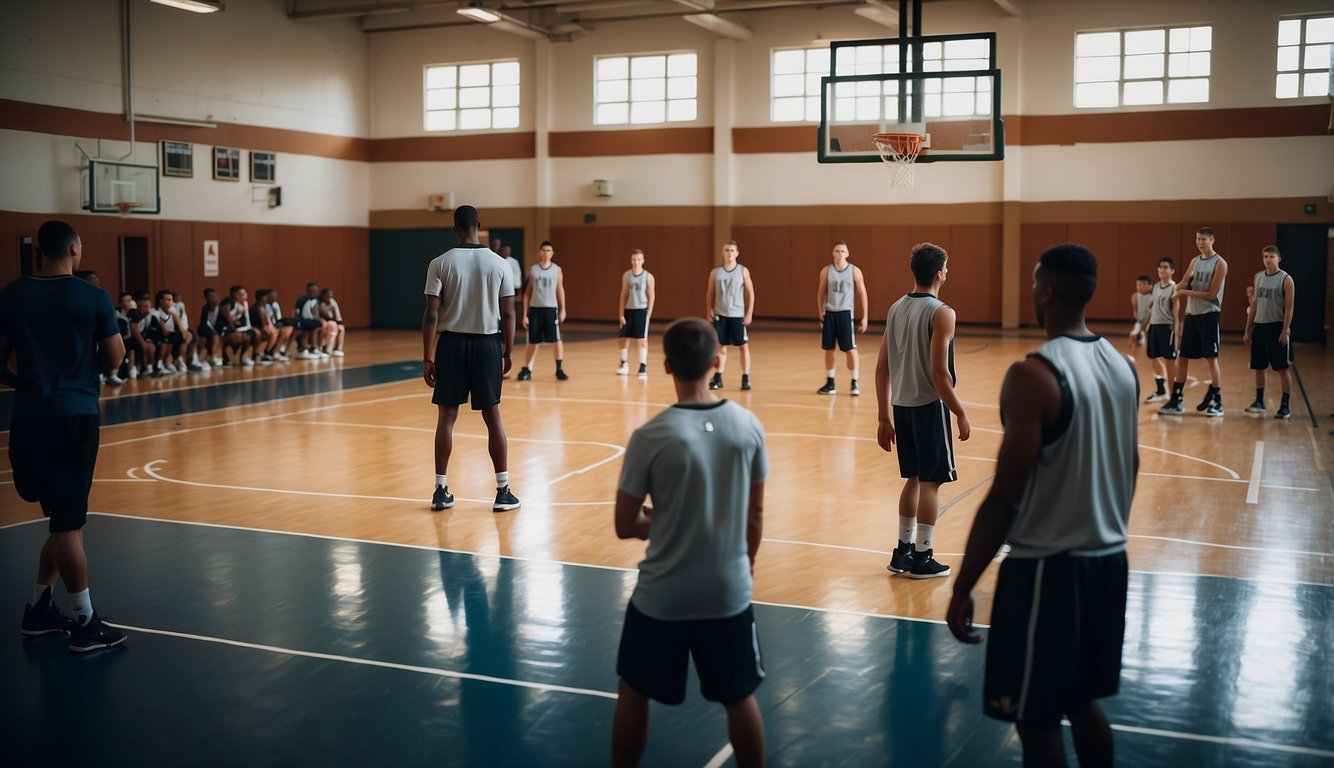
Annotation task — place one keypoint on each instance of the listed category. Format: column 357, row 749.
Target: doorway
column 1305, row 250
column 133, row 264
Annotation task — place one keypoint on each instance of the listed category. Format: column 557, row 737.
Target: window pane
column 613, row 90
column 440, row 121
column 474, row 97
column 967, row 49
column 983, row 103
column 1179, row 40
column 612, row 114
column 1290, row 32
column 958, row 104
column 789, row 62
column 684, row 87
column 845, row 110
column 789, row 85
column 648, row 112
column 474, row 74
column 648, row 66
column 1096, row 94
column 1144, row 41
column 1317, row 57
column 812, row 84
column 891, row 107
column 1201, row 38
column 1148, row 65
column 1199, row 64
column 680, row 110
column 868, row 107
column 681, row 64
column 474, row 119
column 1178, row 64
column 960, row 85
column 844, row 90
column 648, row 90
column 817, row 60
column 1288, row 58
column 1188, row 91
column 1285, row 86
column 505, row 73
column 617, row 68
column 505, row 96
column 812, row 108
column 789, row 110
column 931, row 106
column 1098, row 44
column 1097, row 69
column 441, row 77
column 505, row 118
column 931, row 51
column 1320, row 30
column 441, row 99
column 1315, row 84
column 1150, row 92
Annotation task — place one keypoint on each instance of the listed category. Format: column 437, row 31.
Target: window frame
column 1165, row 63
column 458, row 109
column 1301, row 71
column 648, row 83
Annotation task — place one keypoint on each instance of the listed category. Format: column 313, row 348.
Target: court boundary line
column 290, row 375
column 1257, row 467
column 1231, row 741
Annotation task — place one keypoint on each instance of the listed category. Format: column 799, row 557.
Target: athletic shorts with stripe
column 653, row 656
column 1057, row 624
column 837, row 327
column 1161, row 342
column 1199, row 336
column 542, row 326
column 467, row 364
column 731, row 331
column 1265, row 349
column 925, row 448
column 636, row 324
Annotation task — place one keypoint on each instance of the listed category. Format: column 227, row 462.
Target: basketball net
column 125, row 208
column 899, row 151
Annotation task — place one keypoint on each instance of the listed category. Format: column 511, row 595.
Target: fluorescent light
column 194, row 6
column 477, row 13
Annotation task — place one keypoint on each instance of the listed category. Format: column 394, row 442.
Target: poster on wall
column 210, row 258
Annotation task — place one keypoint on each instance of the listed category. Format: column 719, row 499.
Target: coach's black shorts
column 731, row 331
column 1072, row 610
column 53, row 459
column 837, row 326
column 309, row 324
column 636, row 324
column 653, row 655
column 1162, row 342
column 925, row 445
column 1265, row 349
column 467, row 364
column 1199, row 336
column 542, row 325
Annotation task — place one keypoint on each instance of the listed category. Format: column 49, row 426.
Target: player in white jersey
column 1140, row 302
column 1160, row 334
column 1198, row 330
column 1065, row 476
column 731, row 301
column 544, row 310
column 191, row 337
column 840, row 283
column 1268, row 328
column 638, row 291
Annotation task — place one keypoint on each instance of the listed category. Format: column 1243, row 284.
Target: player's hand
column 622, row 321
column 506, row 363
column 965, row 429
column 960, row 619
column 862, row 327
column 1283, row 339
column 525, row 320
column 1246, row 339
column 746, row 320
column 884, row 435
column 428, row 373
column 561, row 317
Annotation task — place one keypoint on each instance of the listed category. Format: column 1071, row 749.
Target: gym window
column 639, row 90
column 794, row 84
column 1142, row 67
column 1304, row 57
column 874, row 100
column 470, row 97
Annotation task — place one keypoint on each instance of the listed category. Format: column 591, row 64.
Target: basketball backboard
column 944, row 87
column 110, row 183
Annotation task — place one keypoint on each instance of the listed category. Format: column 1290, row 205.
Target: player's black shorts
column 636, row 324
column 153, row 335
column 542, row 325
column 1161, row 342
column 1072, row 610
column 207, row 331
column 653, row 655
column 1199, row 336
column 925, row 445
column 286, row 322
column 1265, row 350
column 837, row 326
column 309, row 324
column 731, row 331
column 467, row 364
column 53, row 459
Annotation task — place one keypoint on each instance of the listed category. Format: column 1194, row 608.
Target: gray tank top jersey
column 729, row 292
column 1269, row 299
column 1078, row 495
column 1201, row 280
column 1145, row 305
column 838, row 296
column 909, row 338
column 637, row 295
column 1160, row 304
column 544, row 285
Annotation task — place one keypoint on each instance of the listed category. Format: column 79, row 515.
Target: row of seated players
column 160, row 341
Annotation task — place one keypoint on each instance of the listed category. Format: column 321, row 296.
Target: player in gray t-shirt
column 703, row 463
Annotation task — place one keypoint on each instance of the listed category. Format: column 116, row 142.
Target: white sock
column 37, row 593
column 906, row 525
column 643, row 355
column 82, row 605
column 829, row 372
column 924, row 535
column 625, row 354
column 442, row 481
column 856, row 373
column 502, row 479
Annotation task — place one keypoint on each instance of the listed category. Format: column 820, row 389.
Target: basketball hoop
column 125, row 207
column 899, row 151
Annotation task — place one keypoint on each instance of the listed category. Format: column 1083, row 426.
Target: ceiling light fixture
column 478, row 13
column 193, row 6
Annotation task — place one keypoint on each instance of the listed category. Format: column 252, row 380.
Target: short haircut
column 927, row 259
column 123, row 294
column 54, row 239
column 690, row 345
column 546, row 243
column 162, row 294
column 239, row 287
column 843, row 243
column 465, row 217
column 260, row 293
column 1206, row 231
column 1169, row 261
column 327, row 293
column 1142, row 279
column 731, row 242
column 85, row 274
column 141, row 295
column 1072, row 271
column 207, row 291
column 308, row 285
column 633, row 251
column 1270, row 249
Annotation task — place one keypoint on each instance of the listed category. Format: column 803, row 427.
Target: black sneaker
column 93, row 635
column 643, row 371
column 1256, row 407
column 504, row 500
column 924, row 566
column 855, row 390
column 441, row 499
column 1207, row 401
column 525, row 374
column 1172, row 408
column 828, row 388
column 561, row 375
column 1283, row 413
column 716, row 382
column 745, row 381
column 45, row 618
column 1215, row 407
column 901, row 561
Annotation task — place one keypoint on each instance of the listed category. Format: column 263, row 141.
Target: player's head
column 636, row 259
column 928, row 264
column 1167, row 266
column 143, row 301
column 495, row 244
column 504, row 251
column 326, row 294
column 466, row 220
column 730, row 251
column 237, row 292
column 164, row 299
column 57, row 240
column 1271, row 257
column 312, row 289
column 88, row 276
column 1066, row 276
column 840, row 250
column 691, row 347
column 210, row 296
column 546, row 251
column 262, row 296
column 1143, row 284
column 126, row 301
column 1204, row 239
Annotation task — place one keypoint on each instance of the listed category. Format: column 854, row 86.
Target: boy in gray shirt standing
column 703, row 462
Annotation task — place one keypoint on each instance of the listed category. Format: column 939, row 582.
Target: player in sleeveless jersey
column 730, row 297
column 638, row 292
column 840, row 284
column 1268, row 327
